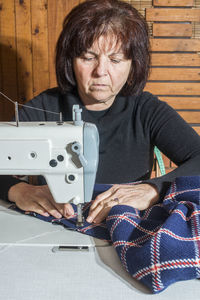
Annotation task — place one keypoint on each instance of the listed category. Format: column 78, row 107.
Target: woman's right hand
column 38, row 198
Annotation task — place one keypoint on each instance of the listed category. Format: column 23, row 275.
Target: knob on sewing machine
column 65, row 153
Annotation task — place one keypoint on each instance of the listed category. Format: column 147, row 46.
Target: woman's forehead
column 106, row 44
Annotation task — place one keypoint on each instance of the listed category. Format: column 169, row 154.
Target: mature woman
column 102, row 64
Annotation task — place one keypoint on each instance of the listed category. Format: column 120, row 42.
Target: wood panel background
column 29, row 30
column 175, row 45
column 28, row 33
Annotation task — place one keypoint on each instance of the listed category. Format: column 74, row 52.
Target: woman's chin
column 101, row 97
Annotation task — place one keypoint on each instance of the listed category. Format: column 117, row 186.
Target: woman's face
column 101, row 72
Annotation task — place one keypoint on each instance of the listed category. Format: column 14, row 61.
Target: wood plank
column 172, row 30
column 173, row 88
column 71, row 4
column 175, row 74
column 7, row 58
column 197, row 129
column 175, row 44
column 56, row 13
column 182, row 102
column 57, row 10
column 173, row 2
column 190, row 116
column 40, row 46
column 176, row 59
column 173, row 14
column 24, row 53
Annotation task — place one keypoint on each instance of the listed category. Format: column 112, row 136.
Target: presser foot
column 80, row 217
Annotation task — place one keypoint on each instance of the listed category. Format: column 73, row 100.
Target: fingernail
column 70, row 211
column 46, row 214
column 58, row 215
column 89, row 219
column 69, row 217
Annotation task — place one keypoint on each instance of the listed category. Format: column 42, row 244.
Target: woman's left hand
column 140, row 196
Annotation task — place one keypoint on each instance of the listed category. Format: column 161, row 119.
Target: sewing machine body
column 65, row 153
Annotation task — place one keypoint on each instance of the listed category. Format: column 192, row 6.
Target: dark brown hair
column 93, row 18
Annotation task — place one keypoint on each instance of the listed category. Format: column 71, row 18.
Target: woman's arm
column 175, row 139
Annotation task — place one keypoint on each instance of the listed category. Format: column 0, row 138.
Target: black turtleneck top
column 128, row 131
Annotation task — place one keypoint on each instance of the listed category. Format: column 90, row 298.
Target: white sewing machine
column 65, row 153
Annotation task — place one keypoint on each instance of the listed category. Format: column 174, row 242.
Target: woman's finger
column 47, row 206
column 101, row 209
column 103, row 196
column 94, row 212
column 64, row 209
column 68, row 210
column 36, row 208
column 105, row 211
column 100, row 198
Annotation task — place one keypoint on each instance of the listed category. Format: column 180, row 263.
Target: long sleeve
column 6, row 183
column 177, row 140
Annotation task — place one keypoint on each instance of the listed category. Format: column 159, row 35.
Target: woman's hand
column 140, row 196
column 38, row 199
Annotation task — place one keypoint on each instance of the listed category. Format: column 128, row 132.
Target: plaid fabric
column 157, row 246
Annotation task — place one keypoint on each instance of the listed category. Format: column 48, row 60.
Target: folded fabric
column 157, row 246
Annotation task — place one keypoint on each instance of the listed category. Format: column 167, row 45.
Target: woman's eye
column 88, row 58
column 115, row 61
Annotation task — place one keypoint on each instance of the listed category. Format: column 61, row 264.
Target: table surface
column 33, row 268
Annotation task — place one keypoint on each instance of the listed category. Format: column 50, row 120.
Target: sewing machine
column 65, row 153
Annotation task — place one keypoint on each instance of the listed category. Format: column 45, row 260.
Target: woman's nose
column 101, row 68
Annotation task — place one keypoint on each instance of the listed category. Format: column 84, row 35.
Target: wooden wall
column 175, row 75
column 175, row 43
column 29, row 30
column 28, row 34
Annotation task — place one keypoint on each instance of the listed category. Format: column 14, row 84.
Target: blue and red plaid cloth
column 157, row 246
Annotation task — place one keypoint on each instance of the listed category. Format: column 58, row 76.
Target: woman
column 102, row 64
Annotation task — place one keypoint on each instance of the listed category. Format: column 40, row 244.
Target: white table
column 32, row 269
